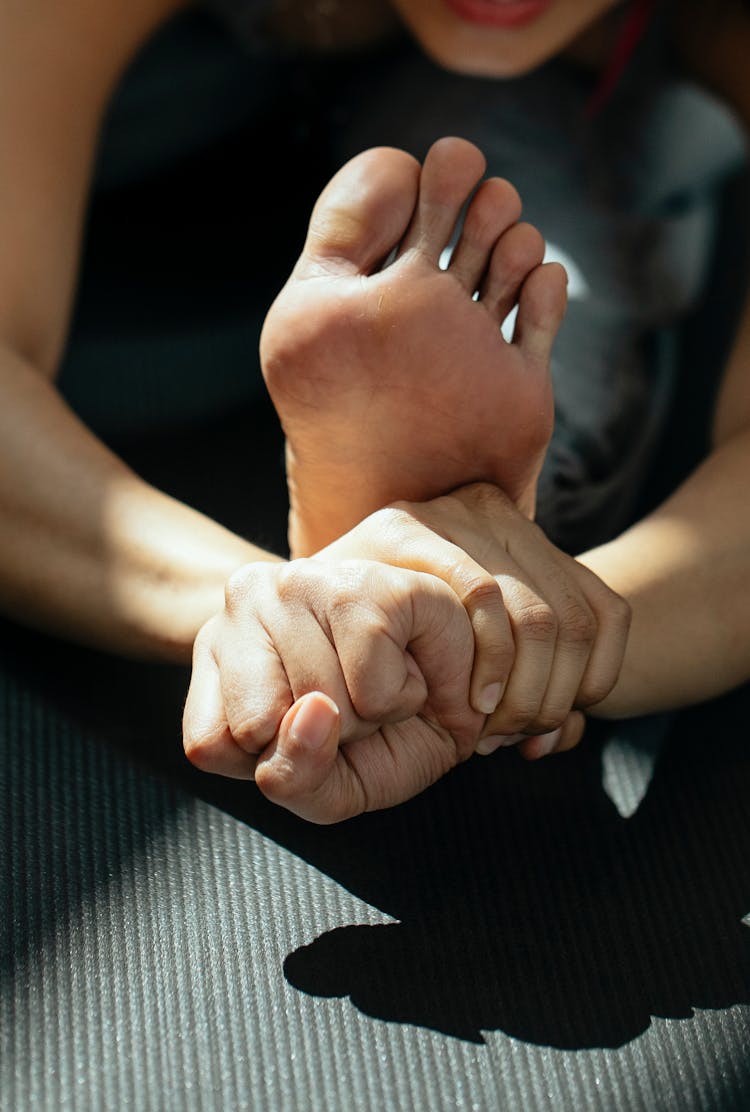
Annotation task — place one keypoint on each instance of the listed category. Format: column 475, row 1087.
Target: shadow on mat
column 527, row 904
column 524, row 902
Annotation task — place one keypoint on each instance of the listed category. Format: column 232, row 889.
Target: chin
column 472, row 63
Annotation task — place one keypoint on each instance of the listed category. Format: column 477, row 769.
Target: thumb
column 295, row 770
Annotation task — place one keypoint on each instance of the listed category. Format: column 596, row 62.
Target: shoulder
column 712, row 41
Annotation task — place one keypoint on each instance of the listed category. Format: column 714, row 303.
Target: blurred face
column 498, row 38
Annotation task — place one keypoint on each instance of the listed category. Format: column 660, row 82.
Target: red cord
column 633, row 30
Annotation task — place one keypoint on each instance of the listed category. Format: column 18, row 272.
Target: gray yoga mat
column 566, row 935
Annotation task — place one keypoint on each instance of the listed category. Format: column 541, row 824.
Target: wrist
column 167, row 566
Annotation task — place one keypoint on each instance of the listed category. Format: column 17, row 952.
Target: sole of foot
column 394, row 382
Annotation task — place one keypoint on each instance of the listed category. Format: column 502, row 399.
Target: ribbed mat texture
column 509, row 940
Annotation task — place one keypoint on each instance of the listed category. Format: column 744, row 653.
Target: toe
column 516, row 254
column 541, row 308
column 451, row 170
column 493, row 209
column 362, row 213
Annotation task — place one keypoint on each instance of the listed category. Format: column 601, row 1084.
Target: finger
column 494, row 647
column 482, row 598
column 254, row 684
column 534, row 626
column 304, row 770
column 408, row 543
column 443, row 646
column 561, row 740
column 573, row 730
column 553, row 628
column 333, row 636
column 370, row 625
column 576, row 634
column 555, row 576
column 400, row 761
column 206, row 736
column 273, row 650
column 613, row 626
column 312, row 663
column 490, row 744
column 383, row 680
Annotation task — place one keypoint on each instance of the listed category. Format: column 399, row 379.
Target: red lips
column 499, row 13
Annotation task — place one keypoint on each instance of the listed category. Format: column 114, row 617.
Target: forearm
column 89, row 550
column 684, row 571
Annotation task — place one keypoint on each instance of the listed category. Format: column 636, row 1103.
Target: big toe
column 362, row 213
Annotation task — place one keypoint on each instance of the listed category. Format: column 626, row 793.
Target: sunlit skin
column 92, row 552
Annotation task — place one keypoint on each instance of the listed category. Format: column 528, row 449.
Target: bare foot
column 396, row 384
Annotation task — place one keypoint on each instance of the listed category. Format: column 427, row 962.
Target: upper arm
column 59, row 62
column 713, row 42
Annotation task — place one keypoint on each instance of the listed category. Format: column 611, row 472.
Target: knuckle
column 237, row 587
column 479, row 591
column 485, row 497
column 369, row 703
column 199, row 749
column 249, row 732
column 247, row 580
column 538, row 622
column 578, row 625
column 205, row 637
column 395, row 511
column 613, row 607
column 349, row 601
column 258, row 720
column 278, row 782
column 393, row 518
column 620, row 611
column 293, row 578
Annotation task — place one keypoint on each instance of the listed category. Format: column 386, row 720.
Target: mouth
column 499, row 13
